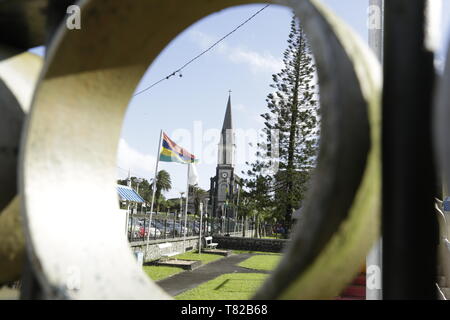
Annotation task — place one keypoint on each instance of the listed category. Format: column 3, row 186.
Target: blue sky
column 190, row 109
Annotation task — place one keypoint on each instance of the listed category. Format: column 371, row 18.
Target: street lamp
column 138, row 182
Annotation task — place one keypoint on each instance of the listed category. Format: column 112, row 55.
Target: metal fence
column 171, row 227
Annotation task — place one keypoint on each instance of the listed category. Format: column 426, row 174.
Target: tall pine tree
column 292, row 116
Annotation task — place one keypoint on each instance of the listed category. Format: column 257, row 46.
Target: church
column 224, row 189
column 224, row 186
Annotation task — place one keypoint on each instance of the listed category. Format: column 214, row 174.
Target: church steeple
column 226, row 144
column 224, row 184
column 228, row 120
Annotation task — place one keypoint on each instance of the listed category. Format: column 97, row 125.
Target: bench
column 166, row 251
column 209, row 243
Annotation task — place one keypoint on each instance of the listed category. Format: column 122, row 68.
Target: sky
column 191, row 108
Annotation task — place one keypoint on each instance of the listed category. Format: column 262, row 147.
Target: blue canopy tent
column 128, row 194
column 132, row 198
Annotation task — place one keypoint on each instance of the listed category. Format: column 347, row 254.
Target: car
column 138, row 229
column 160, row 226
column 154, row 232
column 179, row 229
column 204, row 227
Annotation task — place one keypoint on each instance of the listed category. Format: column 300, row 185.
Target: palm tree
column 199, row 195
column 163, row 183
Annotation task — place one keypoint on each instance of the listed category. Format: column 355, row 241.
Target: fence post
column 132, row 226
column 165, row 227
column 409, row 225
column 155, row 228
column 174, row 226
column 143, row 234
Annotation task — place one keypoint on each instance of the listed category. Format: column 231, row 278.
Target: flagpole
column 153, row 195
column 186, row 208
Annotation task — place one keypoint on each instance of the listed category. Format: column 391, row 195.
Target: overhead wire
column 200, row 54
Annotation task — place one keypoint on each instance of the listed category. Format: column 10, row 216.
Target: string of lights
column 178, row 71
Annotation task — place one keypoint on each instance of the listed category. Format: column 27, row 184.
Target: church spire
column 228, row 120
column 226, row 145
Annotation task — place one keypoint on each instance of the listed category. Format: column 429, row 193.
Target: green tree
column 293, row 115
column 293, row 121
column 244, row 209
column 255, row 202
column 163, row 183
column 260, row 202
column 198, row 195
column 170, row 205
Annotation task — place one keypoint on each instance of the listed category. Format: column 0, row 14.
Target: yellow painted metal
column 19, row 73
column 68, row 156
column 341, row 259
column 12, row 243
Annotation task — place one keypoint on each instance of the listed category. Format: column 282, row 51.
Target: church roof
column 228, row 120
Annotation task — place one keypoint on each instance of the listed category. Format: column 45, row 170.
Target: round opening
column 71, row 145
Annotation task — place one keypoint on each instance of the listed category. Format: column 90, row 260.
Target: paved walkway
column 190, row 279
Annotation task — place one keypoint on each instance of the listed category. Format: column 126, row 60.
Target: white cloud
column 204, row 40
column 138, row 163
column 256, row 61
column 249, row 113
column 240, row 107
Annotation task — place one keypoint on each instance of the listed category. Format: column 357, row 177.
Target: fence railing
column 172, row 227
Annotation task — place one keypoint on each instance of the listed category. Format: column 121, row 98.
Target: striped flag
column 171, row 152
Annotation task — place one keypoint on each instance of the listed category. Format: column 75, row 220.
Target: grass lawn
column 231, row 286
column 203, row 257
column 161, row 272
column 259, row 252
column 261, row 262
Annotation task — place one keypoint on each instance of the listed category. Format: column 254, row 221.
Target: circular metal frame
column 18, row 75
column 68, row 156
